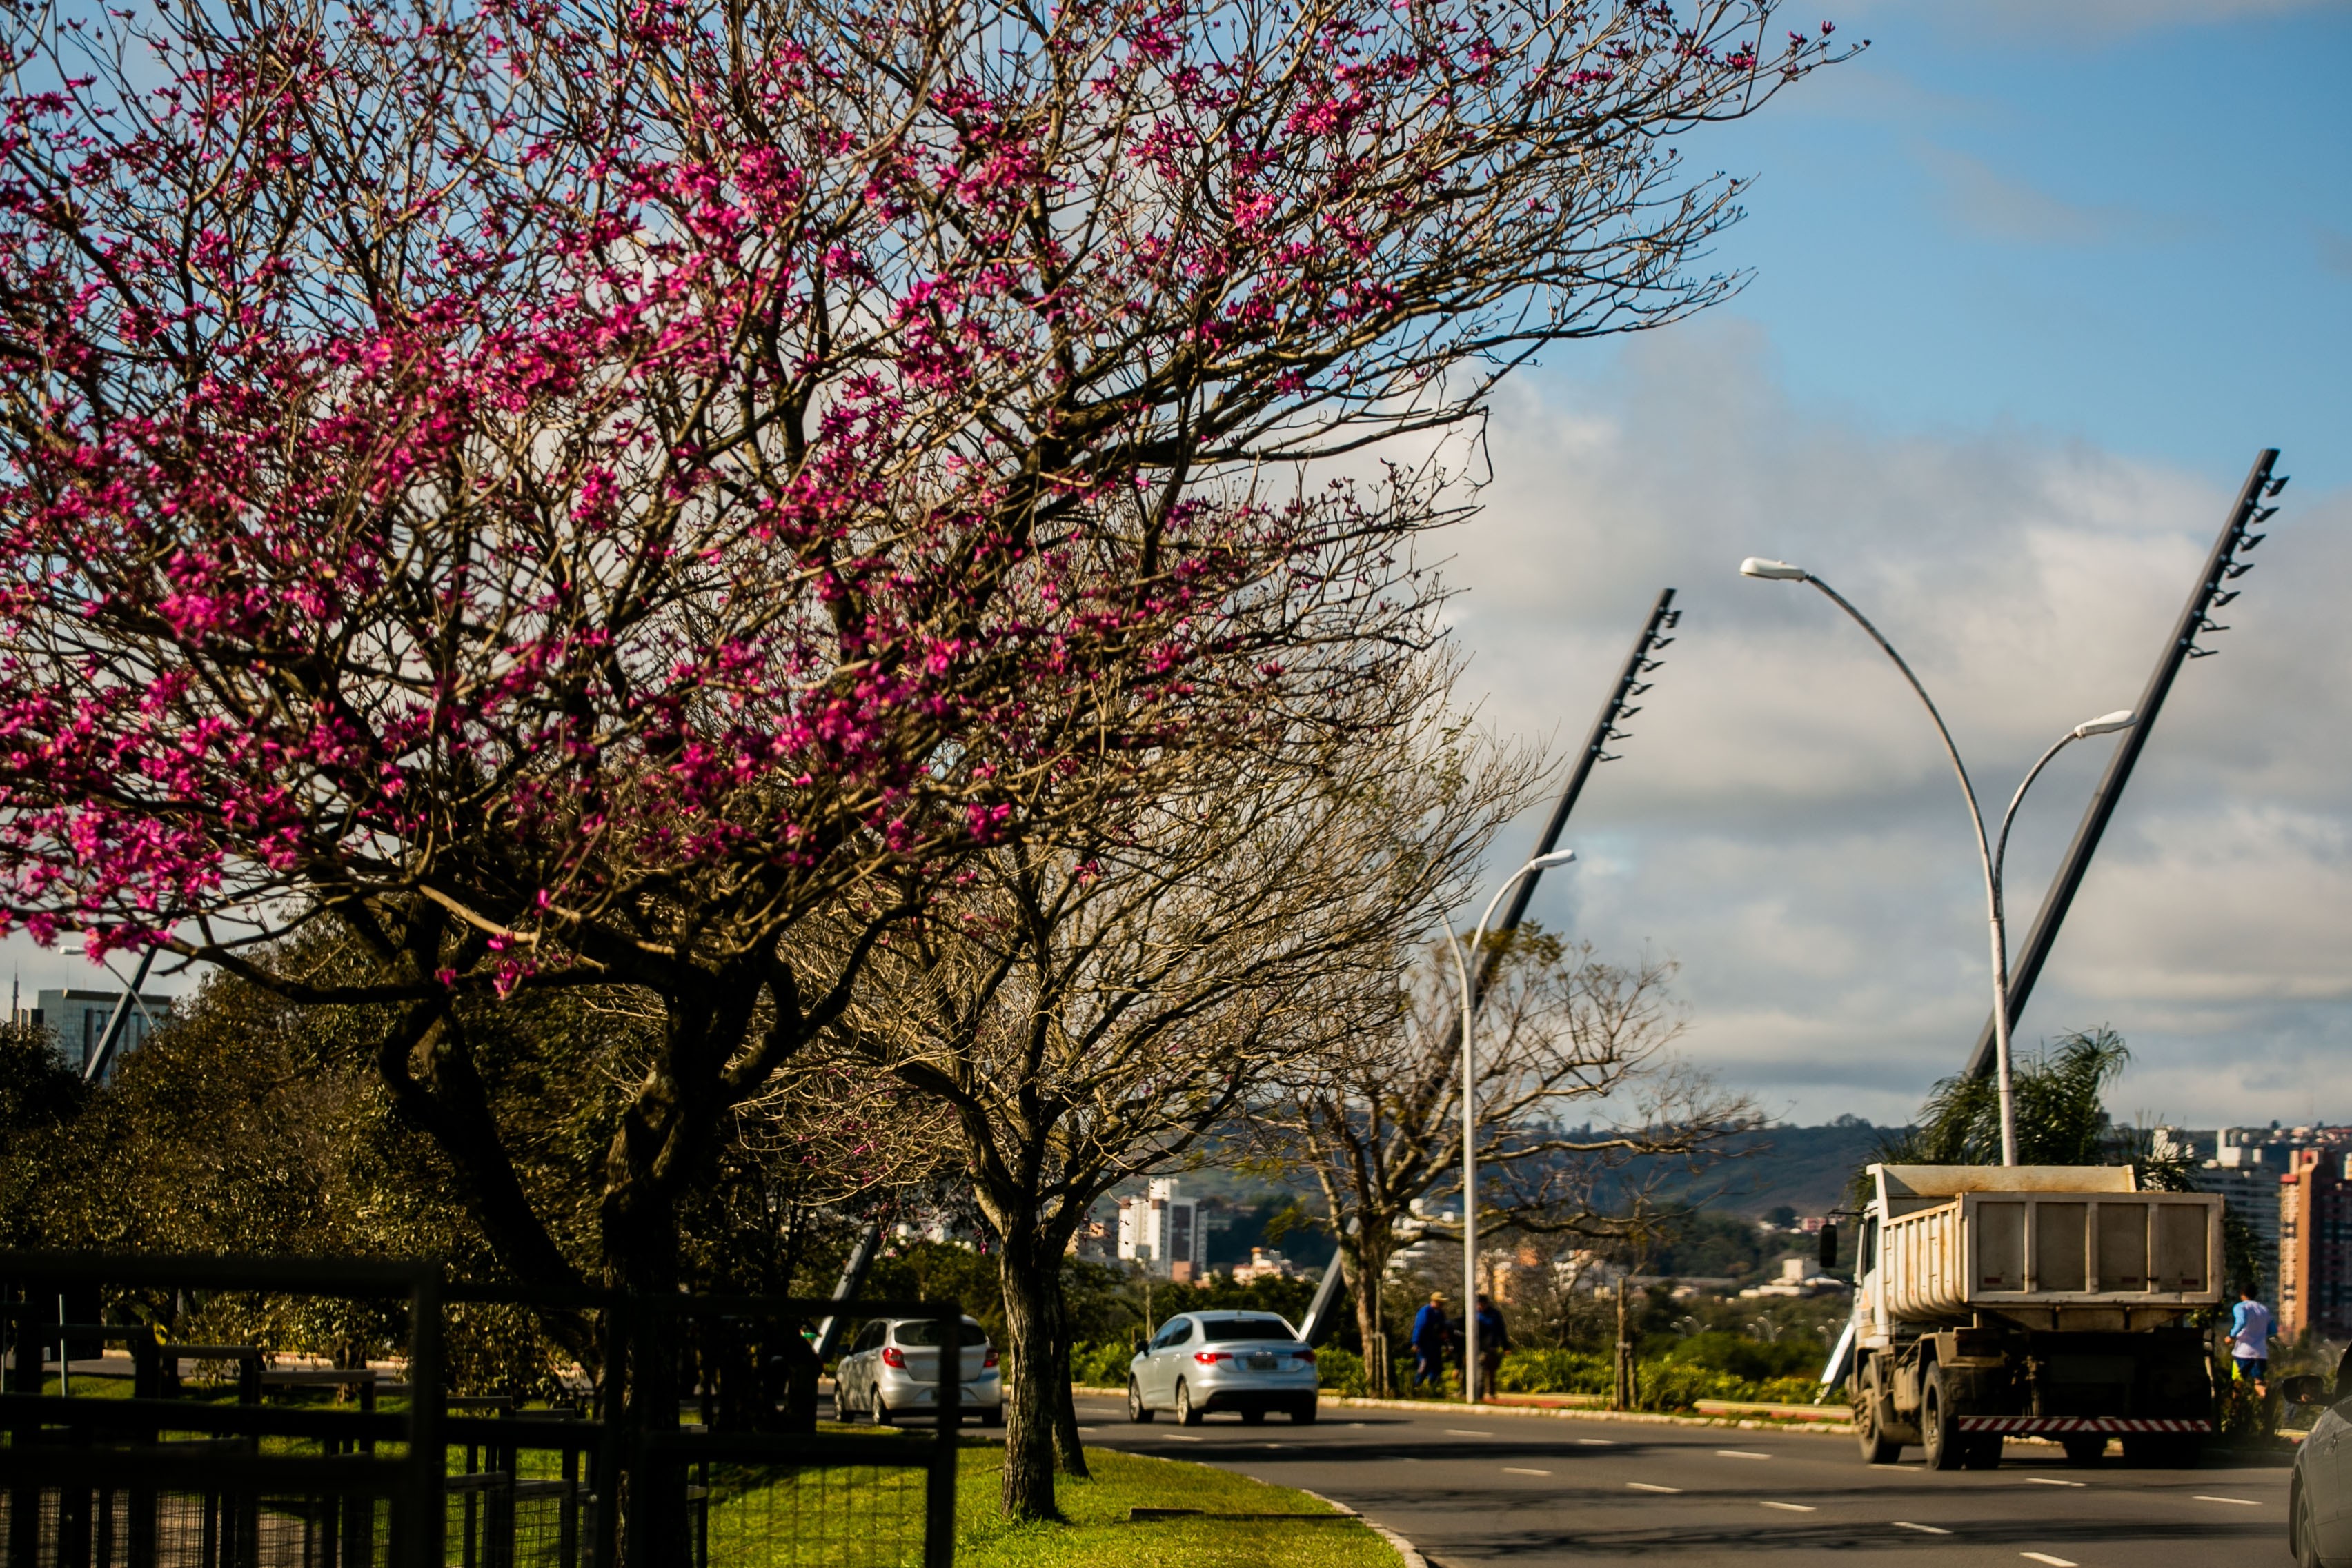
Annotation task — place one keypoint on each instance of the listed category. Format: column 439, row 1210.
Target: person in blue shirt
column 1433, row 1331
column 2250, row 1340
column 1494, row 1339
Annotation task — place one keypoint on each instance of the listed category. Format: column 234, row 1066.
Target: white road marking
column 1355, row 1423
column 1645, row 1486
column 2241, row 1501
column 1794, row 1507
column 1516, row 1470
column 1922, row 1529
column 1465, row 1432
column 2054, row 1481
column 1598, row 1442
column 1180, row 1437
column 2045, row 1557
column 1739, row 1454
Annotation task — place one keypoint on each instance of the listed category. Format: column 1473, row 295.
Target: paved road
column 1471, row 1490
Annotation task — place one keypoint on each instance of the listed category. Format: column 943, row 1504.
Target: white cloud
column 1980, row 200
column 1783, row 821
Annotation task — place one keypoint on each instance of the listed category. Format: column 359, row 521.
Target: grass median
column 1097, row 1535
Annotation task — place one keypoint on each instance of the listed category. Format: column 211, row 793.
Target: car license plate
column 1261, row 1360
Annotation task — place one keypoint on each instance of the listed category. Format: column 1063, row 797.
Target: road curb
column 1524, row 1411
column 1404, row 1549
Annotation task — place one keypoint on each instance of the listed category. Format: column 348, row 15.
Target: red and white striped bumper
column 2037, row 1424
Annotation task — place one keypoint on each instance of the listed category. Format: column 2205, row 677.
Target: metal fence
column 213, row 1456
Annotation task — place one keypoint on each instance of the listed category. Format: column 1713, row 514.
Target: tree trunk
column 1069, row 1451
column 1365, row 1265
column 641, row 1248
column 1034, row 1338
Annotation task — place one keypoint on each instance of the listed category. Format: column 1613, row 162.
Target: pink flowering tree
column 569, row 490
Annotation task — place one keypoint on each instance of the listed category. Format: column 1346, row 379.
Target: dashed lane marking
column 1645, row 1486
column 2045, row 1557
column 2241, row 1501
column 1596, row 1442
column 1465, row 1432
column 1180, row 1437
column 1517, row 1470
column 1739, row 1454
column 2054, row 1481
column 1922, row 1529
column 1792, row 1507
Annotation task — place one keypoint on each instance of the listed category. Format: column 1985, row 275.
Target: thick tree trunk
column 1034, row 1338
column 641, row 1250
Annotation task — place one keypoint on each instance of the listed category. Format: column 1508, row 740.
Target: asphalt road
column 1482, row 1489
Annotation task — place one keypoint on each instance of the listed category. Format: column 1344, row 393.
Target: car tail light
column 1306, row 1355
column 1211, row 1357
column 893, row 1356
column 990, row 1359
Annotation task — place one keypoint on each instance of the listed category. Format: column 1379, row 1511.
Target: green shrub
column 1751, row 1360
column 1553, row 1372
column 1101, row 1365
column 1668, row 1382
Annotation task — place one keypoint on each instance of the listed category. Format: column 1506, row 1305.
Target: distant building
column 2314, row 1246
column 1264, row 1265
column 1163, row 1232
column 1795, row 1281
column 76, row 1022
column 1095, row 1240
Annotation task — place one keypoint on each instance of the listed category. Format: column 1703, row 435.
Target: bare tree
column 1377, row 1119
column 1088, row 1008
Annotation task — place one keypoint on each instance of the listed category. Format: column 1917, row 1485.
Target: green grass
column 1098, row 1535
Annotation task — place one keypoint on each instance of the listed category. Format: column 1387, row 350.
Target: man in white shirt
column 2250, row 1339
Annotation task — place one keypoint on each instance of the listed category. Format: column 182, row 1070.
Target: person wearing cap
column 1432, row 1331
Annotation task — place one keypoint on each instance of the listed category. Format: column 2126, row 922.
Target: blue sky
column 2030, row 294
column 2140, row 236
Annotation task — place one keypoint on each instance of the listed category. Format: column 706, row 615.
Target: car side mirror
column 2304, row 1389
column 1828, row 1244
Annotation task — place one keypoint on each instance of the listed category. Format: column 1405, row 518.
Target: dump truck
column 1993, row 1301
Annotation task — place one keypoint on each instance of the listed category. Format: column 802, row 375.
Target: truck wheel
column 1938, row 1427
column 1871, row 1432
column 2087, row 1449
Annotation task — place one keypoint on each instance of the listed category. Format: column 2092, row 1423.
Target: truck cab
column 2051, row 1301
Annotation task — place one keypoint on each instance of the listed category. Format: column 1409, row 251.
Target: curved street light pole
column 1462, row 968
column 1989, row 856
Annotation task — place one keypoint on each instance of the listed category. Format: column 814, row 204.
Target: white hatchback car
column 1249, row 1362
column 892, row 1369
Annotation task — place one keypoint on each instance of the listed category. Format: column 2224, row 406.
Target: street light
column 1462, row 967
column 1990, row 855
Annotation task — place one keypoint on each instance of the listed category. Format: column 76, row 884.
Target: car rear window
column 920, row 1332
column 1248, row 1328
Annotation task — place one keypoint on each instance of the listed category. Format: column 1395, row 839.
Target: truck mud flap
column 2038, row 1424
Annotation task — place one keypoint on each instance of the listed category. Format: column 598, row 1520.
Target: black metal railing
column 217, row 1457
